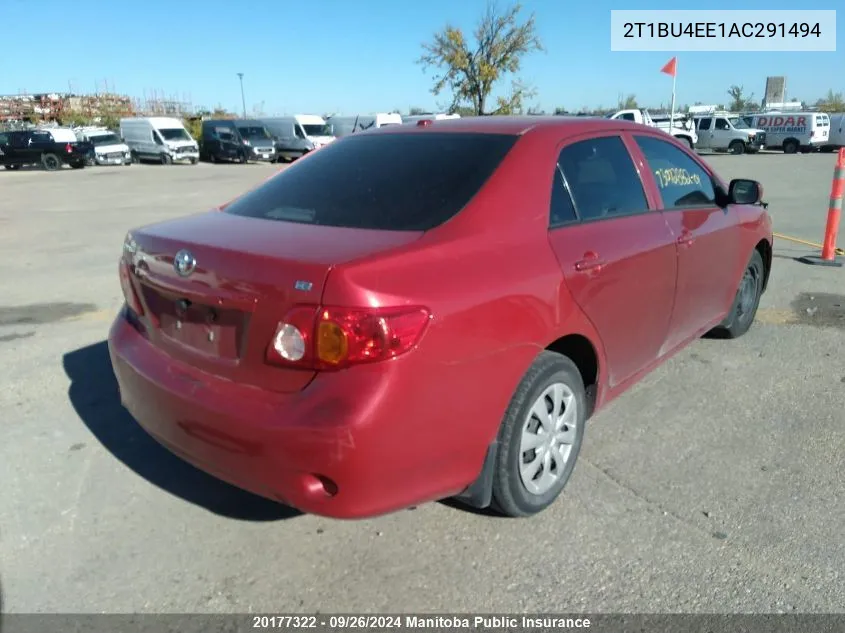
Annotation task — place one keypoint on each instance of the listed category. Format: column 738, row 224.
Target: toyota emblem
column 184, row 263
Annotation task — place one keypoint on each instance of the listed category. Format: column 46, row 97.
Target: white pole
column 672, row 114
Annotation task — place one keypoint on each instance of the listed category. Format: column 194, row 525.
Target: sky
column 336, row 56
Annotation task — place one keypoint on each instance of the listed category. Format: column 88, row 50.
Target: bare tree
column 470, row 70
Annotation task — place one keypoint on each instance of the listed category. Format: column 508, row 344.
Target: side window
column 4, row 140
column 628, row 116
column 681, row 180
column 562, row 209
column 297, row 130
column 722, row 124
column 602, row 178
column 18, row 140
column 156, row 139
column 704, row 124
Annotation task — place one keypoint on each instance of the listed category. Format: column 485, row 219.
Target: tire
column 194, row 161
column 790, row 146
column 243, row 159
column 12, row 167
column 747, row 300
column 135, row 158
column 511, row 495
column 77, row 164
column 166, row 160
column 736, row 147
column 51, row 162
column 688, row 141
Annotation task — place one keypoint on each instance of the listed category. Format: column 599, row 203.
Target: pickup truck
column 49, row 148
column 688, row 136
column 729, row 133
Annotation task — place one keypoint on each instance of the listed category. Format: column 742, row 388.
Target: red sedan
column 431, row 311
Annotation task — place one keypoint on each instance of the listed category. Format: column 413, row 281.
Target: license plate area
column 200, row 326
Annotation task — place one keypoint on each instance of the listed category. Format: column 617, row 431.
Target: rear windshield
column 392, row 182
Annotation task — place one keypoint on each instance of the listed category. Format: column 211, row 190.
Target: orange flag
column 671, row 67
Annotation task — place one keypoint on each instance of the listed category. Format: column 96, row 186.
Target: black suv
column 39, row 147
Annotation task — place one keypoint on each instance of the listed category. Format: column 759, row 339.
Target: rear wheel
column 51, row 162
column 747, row 300
column 12, row 167
column 540, row 437
column 790, row 146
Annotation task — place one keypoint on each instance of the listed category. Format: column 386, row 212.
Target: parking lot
column 715, row 485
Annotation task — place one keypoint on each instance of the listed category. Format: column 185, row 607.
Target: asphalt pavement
column 715, row 485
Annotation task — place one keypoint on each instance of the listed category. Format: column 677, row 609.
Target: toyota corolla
column 431, row 311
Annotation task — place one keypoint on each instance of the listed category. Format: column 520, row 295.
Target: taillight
column 128, row 291
column 326, row 338
column 69, row 148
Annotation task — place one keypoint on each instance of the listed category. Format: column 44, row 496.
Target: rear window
column 391, row 182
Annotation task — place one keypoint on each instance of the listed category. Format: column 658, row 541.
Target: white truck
column 726, row 132
column 642, row 116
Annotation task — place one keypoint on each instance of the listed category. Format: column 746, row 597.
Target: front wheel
column 166, row 159
column 736, row 147
column 540, row 437
column 747, row 300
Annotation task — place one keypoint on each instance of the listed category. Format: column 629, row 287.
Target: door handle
column 590, row 261
column 685, row 239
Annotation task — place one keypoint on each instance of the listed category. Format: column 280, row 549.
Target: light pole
column 243, row 101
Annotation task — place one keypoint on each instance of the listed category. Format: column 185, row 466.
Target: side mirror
column 742, row 191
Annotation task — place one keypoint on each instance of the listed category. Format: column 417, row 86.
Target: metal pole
column 243, row 101
column 672, row 112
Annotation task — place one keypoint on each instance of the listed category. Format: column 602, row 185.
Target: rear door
column 705, row 133
column 616, row 253
column 707, row 237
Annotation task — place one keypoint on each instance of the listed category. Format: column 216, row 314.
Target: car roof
column 516, row 125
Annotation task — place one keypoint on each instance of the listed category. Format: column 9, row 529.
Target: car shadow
column 94, row 395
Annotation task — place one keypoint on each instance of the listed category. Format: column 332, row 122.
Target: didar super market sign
column 782, row 124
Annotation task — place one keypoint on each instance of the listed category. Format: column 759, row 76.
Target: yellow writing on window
column 676, row 177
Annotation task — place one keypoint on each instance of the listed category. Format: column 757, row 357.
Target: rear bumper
column 348, row 447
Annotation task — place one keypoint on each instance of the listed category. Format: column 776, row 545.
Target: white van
column 793, row 131
column 837, row 133
column 160, row 139
column 109, row 149
column 343, row 125
column 314, row 128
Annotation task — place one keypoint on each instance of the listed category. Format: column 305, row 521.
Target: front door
column 707, row 241
column 723, row 134
column 616, row 253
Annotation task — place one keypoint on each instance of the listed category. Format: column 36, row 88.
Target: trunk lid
column 221, row 316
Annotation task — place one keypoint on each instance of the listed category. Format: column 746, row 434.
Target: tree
column 470, row 71
column 628, row 103
column 739, row 101
column 833, row 102
column 415, row 111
